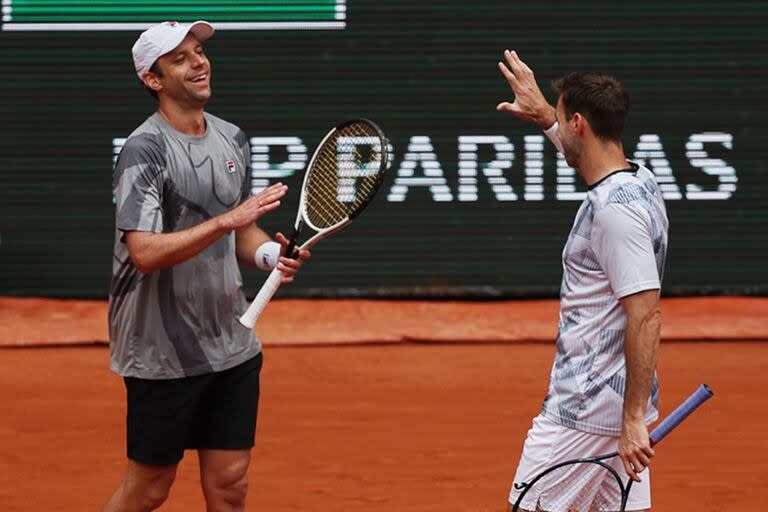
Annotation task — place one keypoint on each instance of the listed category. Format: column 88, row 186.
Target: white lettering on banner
column 493, row 170
column 651, row 154
column 262, row 169
column 117, row 147
column 699, row 158
column 421, row 153
column 566, row 182
column 534, row 167
column 347, row 149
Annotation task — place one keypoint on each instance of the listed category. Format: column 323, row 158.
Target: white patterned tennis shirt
column 617, row 247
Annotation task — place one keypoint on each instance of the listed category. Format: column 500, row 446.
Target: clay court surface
column 394, row 426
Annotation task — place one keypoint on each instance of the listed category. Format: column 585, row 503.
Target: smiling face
column 184, row 74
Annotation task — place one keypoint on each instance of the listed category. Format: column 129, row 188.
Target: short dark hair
column 599, row 98
column 156, row 70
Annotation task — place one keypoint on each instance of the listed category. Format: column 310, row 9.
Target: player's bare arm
column 251, row 237
column 153, row 251
column 529, row 103
column 247, row 240
column 641, row 350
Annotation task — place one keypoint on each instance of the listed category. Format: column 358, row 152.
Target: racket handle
column 261, row 300
column 677, row 416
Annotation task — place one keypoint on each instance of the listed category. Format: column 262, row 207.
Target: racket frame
column 271, row 285
column 302, row 216
column 681, row 412
column 599, row 460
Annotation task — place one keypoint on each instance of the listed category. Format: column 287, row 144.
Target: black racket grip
column 291, row 251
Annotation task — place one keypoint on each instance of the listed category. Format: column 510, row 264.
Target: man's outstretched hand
column 529, row 103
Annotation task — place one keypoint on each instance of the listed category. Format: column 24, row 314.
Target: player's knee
column 151, row 493
column 228, row 496
column 153, row 497
column 236, row 493
column 228, row 488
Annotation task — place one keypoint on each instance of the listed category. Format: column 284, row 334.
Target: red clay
column 35, row 321
column 426, row 428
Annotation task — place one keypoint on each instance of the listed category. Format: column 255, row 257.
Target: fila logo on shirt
column 231, row 166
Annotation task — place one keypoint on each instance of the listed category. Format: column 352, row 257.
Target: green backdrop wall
column 475, row 202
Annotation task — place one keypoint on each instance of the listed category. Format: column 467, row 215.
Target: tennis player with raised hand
column 603, row 389
column 185, row 218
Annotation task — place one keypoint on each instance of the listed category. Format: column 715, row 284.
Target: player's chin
column 201, row 95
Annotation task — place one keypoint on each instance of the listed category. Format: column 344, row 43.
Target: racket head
column 586, row 485
column 343, row 175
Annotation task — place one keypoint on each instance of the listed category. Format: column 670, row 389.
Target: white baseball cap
column 162, row 38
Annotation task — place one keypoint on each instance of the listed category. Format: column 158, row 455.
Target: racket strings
column 325, row 185
column 578, row 487
column 322, row 188
column 342, row 179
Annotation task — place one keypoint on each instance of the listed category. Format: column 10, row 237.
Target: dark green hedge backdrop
column 475, row 204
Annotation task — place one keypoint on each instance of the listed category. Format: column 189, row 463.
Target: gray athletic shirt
column 179, row 321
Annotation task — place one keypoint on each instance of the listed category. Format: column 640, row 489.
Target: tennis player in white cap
column 185, row 218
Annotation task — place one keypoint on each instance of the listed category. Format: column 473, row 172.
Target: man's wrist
column 221, row 224
column 633, row 416
column 224, row 223
column 547, row 119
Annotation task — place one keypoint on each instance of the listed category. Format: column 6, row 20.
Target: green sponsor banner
column 475, row 203
column 106, row 15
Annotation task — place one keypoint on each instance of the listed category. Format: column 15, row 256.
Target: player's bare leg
column 224, row 477
column 144, row 488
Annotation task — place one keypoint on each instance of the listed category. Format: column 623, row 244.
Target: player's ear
column 152, row 81
column 578, row 123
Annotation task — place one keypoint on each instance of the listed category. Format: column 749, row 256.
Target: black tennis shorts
column 214, row 411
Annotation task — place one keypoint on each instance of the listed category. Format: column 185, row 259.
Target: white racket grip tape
column 261, row 300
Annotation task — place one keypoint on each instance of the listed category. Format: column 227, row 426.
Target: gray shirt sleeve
column 139, row 185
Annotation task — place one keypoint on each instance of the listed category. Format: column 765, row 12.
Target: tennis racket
column 341, row 179
column 567, row 486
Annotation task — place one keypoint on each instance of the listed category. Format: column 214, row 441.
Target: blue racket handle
column 693, row 402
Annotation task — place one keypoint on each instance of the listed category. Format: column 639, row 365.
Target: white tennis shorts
column 548, row 443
